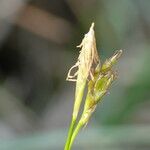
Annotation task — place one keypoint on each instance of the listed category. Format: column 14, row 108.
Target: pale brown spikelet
column 87, row 59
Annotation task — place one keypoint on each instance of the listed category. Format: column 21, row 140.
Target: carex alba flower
column 99, row 77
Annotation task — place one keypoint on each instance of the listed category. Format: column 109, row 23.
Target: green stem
column 70, row 134
column 80, row 86
column 76, row 131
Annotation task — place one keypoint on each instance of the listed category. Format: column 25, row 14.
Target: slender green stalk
column 75, row 133
column 80, row 86
column 69, row 134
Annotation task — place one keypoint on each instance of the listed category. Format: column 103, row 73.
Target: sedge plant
column 91, row 73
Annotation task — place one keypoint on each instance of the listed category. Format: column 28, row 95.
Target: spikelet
column 98, row 87
column 88, row 57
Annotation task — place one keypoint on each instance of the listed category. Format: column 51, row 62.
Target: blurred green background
column 38, row 40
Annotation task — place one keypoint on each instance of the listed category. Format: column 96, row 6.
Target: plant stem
column 70, row 134
column 80, row 86
column 76, row 131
